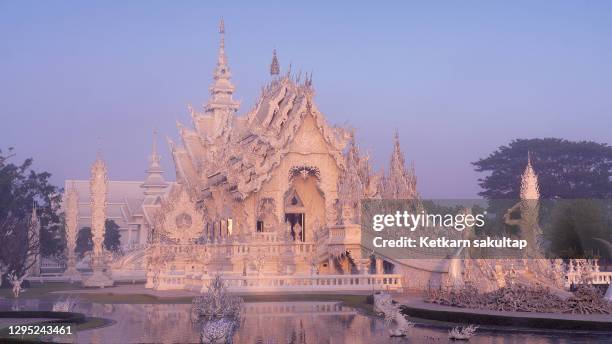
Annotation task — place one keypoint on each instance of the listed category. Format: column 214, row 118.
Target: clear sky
column 457, row 78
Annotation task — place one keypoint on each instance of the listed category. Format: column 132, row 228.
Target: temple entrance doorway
column 296, row 222
column 295, row 216
column 304, row 207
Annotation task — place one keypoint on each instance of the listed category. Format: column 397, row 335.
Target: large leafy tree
column 112, row 238
column 575, row 227
column 566, row 169
column 84, row 242
column 21, row 189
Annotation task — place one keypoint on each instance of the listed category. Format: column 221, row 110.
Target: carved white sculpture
column 72, row 212
column 400, row 182
column 155, row 183
column 179, row 220
column 530, row 189
column 98, row 185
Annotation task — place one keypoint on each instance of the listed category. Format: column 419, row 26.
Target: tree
column 566, row 169
column 112, row 236
column 575, row 226
column 21, row 188
column 84, row 242
column 20, row 246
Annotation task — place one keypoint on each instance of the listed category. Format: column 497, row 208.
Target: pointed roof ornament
column 274, row 66
column 99, row 164
column 308, row 81
column 154, row 183
column 222, row 89
column 154, row 158
column 400, row 181
column 171, row 143
column 98, row 171
column 530, row 189
column 221, row 58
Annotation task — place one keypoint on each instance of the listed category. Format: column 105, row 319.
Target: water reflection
column 279, row 323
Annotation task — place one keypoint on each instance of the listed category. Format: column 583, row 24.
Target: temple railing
column 349, row 234
column 284, row 283
column 595, row 277
column 234, row 249
column 279, row 309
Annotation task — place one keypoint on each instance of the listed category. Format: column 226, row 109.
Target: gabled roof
column 256, row 142
column 125, row 201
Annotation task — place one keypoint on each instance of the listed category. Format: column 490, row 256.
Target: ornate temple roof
column 242, row 150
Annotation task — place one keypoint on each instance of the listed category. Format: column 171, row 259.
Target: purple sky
column 457, row 80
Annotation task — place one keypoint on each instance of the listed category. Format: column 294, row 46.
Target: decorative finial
column 274, row 66
column 154, row 152
column 222, row 88
column 530, row 189
column 308, row 81
column 221, row 26
column 99, row 148
column 154, row 182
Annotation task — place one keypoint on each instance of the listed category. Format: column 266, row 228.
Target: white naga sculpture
column 98, row 185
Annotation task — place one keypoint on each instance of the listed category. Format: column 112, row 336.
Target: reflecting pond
column 278, row 323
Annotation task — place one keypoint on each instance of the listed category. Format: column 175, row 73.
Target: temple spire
column 222, row 89
column 221, row 59
column 530, row 190
column 274, row 66
column 400, row 182
column 155, row 183
column 221, row 104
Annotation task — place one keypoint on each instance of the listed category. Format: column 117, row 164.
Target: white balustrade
column 200, row 282
column 596, row 277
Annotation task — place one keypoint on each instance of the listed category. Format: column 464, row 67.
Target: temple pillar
column 365, row 265
column 72, row 218
column 331, row 215
column 379, row 266
column 129, row 237
column 98, row 188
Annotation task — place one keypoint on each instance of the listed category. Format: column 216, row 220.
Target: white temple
column 273, row 192
column 269, row 199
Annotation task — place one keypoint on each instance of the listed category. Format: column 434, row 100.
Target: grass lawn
column 43, row 291
column 39, row 290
